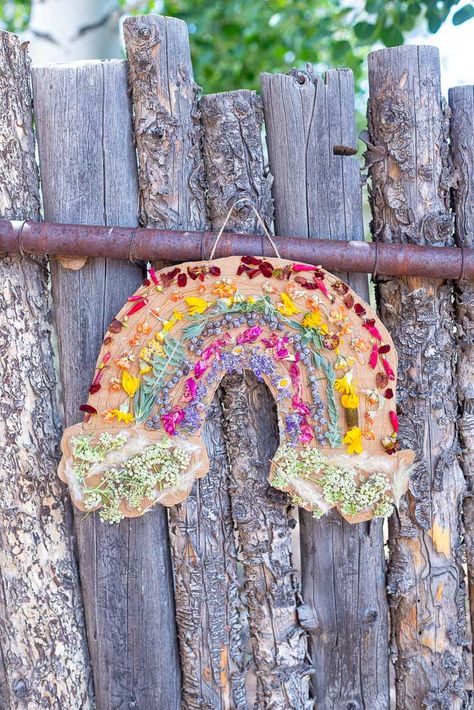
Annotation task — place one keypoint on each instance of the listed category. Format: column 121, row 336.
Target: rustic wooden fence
column 203, row 608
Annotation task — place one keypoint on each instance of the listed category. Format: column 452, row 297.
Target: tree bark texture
column 461, row 101
column 88, row 172
column 410, row 172
column 171, row 178
column 166, row 123
column 318, row 193
column 43, row 654
column 233, row 159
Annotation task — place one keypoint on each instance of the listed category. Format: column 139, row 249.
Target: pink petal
column 374, row 357
column 369, row 325
column 303, row 267
column 388, row 369
column 394, row 421
column 306, row 434
column 190, row 390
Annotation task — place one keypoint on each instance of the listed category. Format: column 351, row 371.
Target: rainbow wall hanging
column 327, row 359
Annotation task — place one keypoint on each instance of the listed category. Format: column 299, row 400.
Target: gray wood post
column 234, row 164
column 171, row 183
column 44, row 659
column 410, row 172
column 88, row 172
column 461, row 101
column 318, row 193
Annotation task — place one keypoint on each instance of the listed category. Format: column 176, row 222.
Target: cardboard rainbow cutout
column 327, row 359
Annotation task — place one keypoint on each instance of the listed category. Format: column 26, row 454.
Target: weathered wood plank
column 461, row 101
column 88, row 174
column 318, row 194
column 234, row 164
column 44, row 656
column 167, row 135
column 408, row 165
column 166, row 123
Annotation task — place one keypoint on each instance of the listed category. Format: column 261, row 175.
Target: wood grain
column 318, row 194
column 44, row 659
column 168, row 134
column 234, row 165
column 461, row 101
column 410, row 179
column 89, row 176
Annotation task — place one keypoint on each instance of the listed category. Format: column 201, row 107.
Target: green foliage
column 233, row 41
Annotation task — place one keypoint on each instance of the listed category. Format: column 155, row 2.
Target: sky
column 456, row 46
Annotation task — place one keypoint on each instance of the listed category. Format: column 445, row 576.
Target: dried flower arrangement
column 327, row 359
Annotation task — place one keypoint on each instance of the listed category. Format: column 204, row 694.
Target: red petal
column 267, row 269
column 153, row 275
column 147, row 282
column 88, row 409
column 253, row 272
column 107, row 340
column 383, row 349
column 215, row 271
column 381, row 380
column 349, row 300
column 340, row 287
column 137, row 307
column 116, row 326
column 135, row 297
column 251, row 260
column 182, row 280
column 359, row 309
column 94, row 388
column 388, row 394
column 242, row 268
column 192, row 273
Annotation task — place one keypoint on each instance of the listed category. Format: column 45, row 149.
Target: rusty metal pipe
column 39, row 238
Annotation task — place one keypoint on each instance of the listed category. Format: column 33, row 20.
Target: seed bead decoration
column 328, row 361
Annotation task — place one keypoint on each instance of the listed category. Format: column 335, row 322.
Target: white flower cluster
column 337, row 483
column 159, row 465
column 85, row 453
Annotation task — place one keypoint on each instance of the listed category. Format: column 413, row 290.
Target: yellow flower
column 350, row 401
column 196, row 305
column 312, row 320
column 353, row 440
column 167, row 325
column 344, row 384
column 250, row 299
column 324, row 330
column 125, row 417
column 145, row 369
column 177, row 315
column 130, row 383
column 287, row 307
